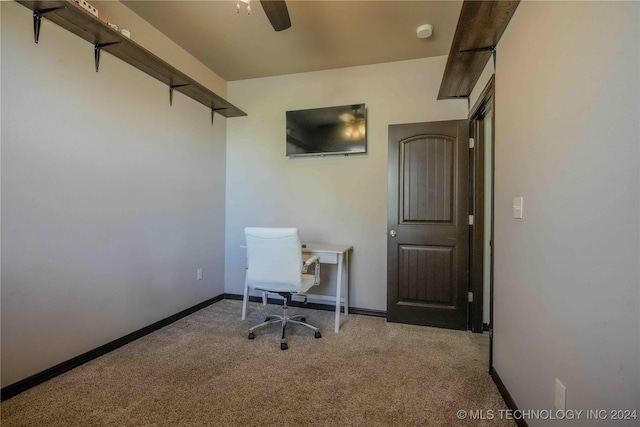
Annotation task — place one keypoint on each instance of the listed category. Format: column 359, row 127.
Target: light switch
column 517, row 207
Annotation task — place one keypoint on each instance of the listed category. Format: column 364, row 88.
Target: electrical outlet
column 199, row 274
column 561, row 396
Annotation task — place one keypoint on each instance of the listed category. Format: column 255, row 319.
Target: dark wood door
column 428, row 231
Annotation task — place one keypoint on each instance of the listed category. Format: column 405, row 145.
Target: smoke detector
column 424, row 31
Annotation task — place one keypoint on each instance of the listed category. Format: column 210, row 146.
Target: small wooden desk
column 333, row 254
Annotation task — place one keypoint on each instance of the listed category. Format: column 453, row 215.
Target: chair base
column 297, row 319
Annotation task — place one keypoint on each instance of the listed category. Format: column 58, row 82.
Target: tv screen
column 325, row 131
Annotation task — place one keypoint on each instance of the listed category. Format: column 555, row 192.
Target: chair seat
column 307, row 283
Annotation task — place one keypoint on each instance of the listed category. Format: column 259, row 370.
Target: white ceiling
column 323, row 35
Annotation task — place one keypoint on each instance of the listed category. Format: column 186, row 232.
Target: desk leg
column 245, row 299
column 338, row 288
column 346, row 283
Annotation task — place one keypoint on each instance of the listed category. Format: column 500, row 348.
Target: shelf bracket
column 37, row 17
column 479, row 49
column 96, row 51
column 491, row 48
column 171, row 88
column 213, row 110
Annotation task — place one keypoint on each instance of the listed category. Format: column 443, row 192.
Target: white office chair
column 274, row 265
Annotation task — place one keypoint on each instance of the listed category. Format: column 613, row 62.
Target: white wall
column 567, row 280
column 111, row 199
column 332, row 199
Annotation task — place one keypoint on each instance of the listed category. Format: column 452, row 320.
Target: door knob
column 392, row 233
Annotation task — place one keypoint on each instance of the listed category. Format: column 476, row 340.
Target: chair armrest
column 311, row 260
column 307, row 263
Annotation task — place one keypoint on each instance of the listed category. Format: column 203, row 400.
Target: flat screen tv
column 326, row 131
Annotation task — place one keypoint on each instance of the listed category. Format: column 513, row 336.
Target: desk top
column 319, row 247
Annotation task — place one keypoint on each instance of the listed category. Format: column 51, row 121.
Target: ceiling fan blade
column 276, row 11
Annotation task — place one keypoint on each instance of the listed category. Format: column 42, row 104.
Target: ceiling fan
column 276, row 11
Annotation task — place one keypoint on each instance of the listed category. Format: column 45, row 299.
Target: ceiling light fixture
column 248, row 2
column 424, row 31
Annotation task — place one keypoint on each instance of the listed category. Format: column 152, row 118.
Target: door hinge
column 470, row 296
column 472, row 143
column 470, row 219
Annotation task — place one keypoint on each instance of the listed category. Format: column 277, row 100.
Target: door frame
column 485, row 103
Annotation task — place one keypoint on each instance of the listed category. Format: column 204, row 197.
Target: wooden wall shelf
column 479, row 29
column 71, row 17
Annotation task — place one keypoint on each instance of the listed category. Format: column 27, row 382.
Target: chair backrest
column 274, row 255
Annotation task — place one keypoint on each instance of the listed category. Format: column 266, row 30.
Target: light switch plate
column 517, row 207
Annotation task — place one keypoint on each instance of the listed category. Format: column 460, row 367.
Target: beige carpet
column 203, row 371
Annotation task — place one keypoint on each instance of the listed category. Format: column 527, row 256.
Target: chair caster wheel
column 251, row 335
column 283, row 346
column 318, row 334
column 267, row 319
column 303, row 319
